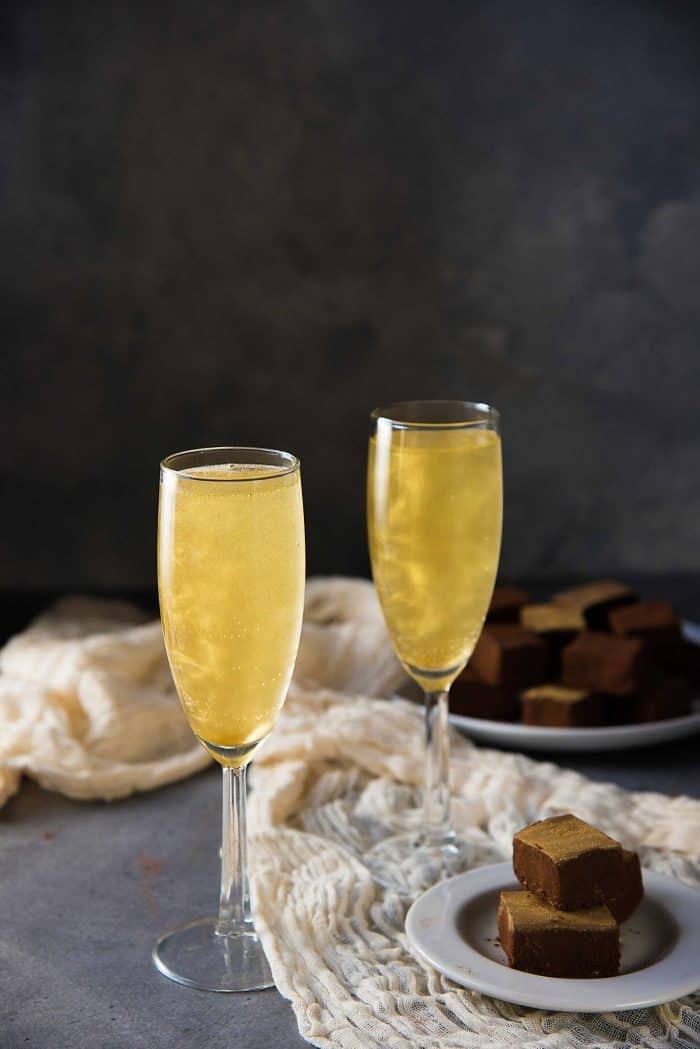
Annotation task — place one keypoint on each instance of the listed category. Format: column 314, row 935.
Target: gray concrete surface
column 85, row 888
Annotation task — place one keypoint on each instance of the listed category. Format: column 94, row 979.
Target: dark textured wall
column 250, row 223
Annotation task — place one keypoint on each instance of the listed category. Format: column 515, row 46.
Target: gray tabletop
column 86, row 887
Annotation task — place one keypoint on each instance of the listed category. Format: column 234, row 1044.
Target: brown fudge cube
column 510, row 656
column 560, row 707
column 473, row 699
column 649, row 619
column 545, row 619
column 662, row 698
column 556, row 626
column 605, row 663
column 689, row 664
column 631, row 890
column 667, row 698
column 567, row 862
column 539, row 939
column 506, row 603
column 595, row 600
column 657, row 624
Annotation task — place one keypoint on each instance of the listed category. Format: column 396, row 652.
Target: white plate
column 618, row 737
column 453, row 927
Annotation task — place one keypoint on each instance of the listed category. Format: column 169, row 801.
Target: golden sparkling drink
column 434, row 515
column 231, row 582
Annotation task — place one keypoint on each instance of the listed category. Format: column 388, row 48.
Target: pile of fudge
column 579, row 886
column 593, row 655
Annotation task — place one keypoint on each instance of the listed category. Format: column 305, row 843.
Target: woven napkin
column 87, row 707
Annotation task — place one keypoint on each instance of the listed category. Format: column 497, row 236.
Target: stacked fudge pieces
column 593, row 655
column 579, row 885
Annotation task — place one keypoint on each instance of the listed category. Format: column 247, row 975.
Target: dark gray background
column 250, row 223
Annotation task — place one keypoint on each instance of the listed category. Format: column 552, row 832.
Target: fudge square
column 667, row 698
column 661, row 699
column 689, row 663
column 506, row 602
column 559, row 707
column 551, row 619
column 650, row 619
column 540, row 939
column 568, row 862
column 605, row 663
column 595, row 600
column 557, row 626
column 657, row 624
column 510, row 656
column 473, row 699
column 631, row 888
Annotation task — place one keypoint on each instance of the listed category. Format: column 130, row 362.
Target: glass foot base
column 196, row 956
column 409, row 866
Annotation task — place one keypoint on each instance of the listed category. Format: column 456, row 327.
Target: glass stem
column 438, row 828
column 234, row 901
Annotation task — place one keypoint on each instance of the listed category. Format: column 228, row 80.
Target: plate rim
column 598, row 732
column 545, row 992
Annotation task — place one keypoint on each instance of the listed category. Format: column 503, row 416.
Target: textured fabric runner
column 333, row 774
column 87, row 707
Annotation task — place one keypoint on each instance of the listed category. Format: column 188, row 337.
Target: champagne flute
column 434, row 510
column 231, row 584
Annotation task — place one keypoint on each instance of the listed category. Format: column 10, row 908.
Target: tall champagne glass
column 434, row 510
column 231, row 583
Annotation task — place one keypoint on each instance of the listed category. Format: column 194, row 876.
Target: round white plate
column 453, row 927
column 618, row 737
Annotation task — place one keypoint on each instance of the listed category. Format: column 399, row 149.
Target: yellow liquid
column 434, row 515
column 231, row 582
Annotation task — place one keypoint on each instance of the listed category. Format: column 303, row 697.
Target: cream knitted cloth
column 330, row 777
column 87, row 707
